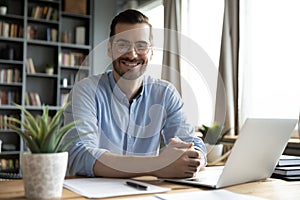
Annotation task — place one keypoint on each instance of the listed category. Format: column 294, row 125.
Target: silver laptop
column 253, row 156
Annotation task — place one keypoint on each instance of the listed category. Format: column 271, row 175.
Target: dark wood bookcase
column 36, row 34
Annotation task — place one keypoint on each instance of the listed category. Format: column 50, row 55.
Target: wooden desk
column 269, row 189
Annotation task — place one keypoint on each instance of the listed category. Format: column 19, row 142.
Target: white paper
column 207, row 195
column 107, row 187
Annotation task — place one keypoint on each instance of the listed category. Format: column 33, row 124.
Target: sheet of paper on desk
column 107, row 187
column 207, row 195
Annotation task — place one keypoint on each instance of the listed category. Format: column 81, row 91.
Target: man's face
column 130, row 50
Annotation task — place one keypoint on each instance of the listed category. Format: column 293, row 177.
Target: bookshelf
column 36, row 35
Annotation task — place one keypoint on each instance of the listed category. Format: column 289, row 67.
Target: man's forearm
column 177, row 160
column 112, row 165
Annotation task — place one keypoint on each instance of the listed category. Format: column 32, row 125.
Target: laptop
column 253, row 157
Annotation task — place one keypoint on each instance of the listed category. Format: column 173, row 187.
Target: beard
column 129, row 69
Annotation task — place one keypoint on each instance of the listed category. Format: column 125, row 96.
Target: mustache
column 131, row 60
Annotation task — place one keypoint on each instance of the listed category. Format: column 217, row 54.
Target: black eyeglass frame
column 128, row 46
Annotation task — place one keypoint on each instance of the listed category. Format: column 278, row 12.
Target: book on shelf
column 31, row 32
column 5, row 119
column 8, row 97
column 9, row 164
column 73, row 59
column 80, row 35
column 30, row 66
column 37, row 99
column 10, row 75
column 49, row 12
column 27, row 99
column 8, row 29
column 46, row 12
column 5, row 29
column 288, row 160
column 33, row 99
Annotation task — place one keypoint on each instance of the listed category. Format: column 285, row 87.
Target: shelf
column 8, row 107
column 75, row 46
column 39, row 108
column 38, row 37
column 12, row 39
column 11, row 84
column 10, row 152
column 43, row 21
column 79, row 16
column 12, row 16
column 42, row 75
column 42, row 42
column 75, row 67
column 15, row 62
column 49, row 2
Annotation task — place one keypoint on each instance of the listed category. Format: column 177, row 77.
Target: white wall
column 104, row 11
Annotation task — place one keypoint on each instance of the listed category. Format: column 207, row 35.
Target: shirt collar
column 117, row 92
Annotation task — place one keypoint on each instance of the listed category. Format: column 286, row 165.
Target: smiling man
column 128, row 114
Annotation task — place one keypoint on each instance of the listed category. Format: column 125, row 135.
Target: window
column 202, row 23
column 269, row 58
column 155, row 12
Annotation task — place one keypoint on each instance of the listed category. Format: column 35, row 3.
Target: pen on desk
column 137, row 185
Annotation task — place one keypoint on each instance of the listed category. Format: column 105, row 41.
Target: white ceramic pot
column 43, row 174
column 214, row 152
column 3, row 10
column 49, row 71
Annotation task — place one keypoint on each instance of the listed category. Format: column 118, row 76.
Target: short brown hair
column 130, row 16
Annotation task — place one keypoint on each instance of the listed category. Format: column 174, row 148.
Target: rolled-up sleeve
column 85, row 150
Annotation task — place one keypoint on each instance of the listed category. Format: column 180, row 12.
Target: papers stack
column 108, row 187
column 288, row 168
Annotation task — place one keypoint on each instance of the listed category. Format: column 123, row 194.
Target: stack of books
column 288, row 168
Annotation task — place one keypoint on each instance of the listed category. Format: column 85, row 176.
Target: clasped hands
column 181, row 160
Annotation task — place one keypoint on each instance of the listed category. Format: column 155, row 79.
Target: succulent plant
column 213, row 135
column 41, row 133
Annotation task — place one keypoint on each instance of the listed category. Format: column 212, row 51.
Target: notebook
column 253, row 156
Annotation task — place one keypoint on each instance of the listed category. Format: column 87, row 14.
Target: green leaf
column 42, row 135
column 32, row 145
column 30, row 120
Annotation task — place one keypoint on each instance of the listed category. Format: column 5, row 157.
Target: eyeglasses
column 140, row 47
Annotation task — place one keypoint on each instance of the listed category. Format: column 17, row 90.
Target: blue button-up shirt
column 122, row 127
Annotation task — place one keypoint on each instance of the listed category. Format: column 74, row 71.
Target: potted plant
column 212, row 137
column 49, row 69
column 3, row 9
column 44, row 167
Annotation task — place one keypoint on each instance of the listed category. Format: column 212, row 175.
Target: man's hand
column 180, row 160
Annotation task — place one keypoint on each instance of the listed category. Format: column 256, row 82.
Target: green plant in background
column 48, row 66
column 43, row 134
column 213, row 135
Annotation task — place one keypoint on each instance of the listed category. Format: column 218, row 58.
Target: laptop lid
column 253, row 156
column 257, row 150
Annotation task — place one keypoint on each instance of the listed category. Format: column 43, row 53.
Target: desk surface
column 269, row 189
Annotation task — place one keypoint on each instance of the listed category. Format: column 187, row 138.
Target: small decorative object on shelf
column 49, row 69
column 79, row 7
column 3, row 10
